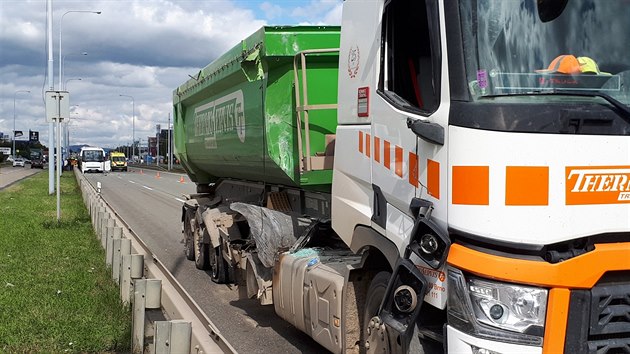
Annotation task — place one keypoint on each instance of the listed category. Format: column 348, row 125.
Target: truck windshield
column 583, row 47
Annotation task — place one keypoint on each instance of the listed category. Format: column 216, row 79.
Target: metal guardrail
column 175, row 302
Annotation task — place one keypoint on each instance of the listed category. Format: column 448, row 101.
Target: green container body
column 237, row 118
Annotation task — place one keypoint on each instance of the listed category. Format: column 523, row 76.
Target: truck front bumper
column 462, row 343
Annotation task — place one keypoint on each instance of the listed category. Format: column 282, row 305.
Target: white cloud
column 142, row 48
column 272, row 11
column 126, row 75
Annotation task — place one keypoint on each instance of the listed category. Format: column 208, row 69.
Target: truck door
column 405, row 166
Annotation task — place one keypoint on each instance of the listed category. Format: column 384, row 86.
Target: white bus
column 92, row 159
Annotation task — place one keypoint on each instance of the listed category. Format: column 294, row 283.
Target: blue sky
column 295, row 11
column 138, row 48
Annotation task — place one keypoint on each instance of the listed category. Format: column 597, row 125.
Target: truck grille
column 599, row 319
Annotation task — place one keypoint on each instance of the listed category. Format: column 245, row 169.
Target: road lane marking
column 149, row 188
column 132, row 182
column 180, row 200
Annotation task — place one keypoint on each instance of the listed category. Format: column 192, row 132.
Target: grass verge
column 56, row 294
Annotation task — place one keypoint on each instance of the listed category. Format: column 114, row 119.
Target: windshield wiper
column 625, row 110
column 613, row 101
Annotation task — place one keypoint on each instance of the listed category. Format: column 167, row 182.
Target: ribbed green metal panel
column 237, row 117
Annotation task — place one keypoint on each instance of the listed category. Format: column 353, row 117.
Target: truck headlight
column 496, row 311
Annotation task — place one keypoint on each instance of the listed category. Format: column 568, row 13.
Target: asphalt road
column 10, row 175
column 151, row 205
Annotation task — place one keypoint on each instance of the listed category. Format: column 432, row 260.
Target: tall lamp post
column 66, row 134
column 60, row 37
column 65, row 85
column 133, row 125
column 67, row 137
column 50, row 72
column 15, row 94
column 63, row 63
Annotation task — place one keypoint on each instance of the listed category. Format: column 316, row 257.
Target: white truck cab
column 488, row 142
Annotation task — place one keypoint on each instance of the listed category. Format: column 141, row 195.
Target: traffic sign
column 57, row 105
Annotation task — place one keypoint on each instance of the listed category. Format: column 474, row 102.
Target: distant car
column 37, row 163
column 18, row 162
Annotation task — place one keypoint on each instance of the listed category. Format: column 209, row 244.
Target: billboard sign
column 33, row 136
column 19, row 136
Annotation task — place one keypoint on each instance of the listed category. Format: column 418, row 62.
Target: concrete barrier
column 188, row 329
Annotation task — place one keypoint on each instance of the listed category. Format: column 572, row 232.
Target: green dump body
column 238, row 119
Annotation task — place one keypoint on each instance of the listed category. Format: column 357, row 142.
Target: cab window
column 409, row 56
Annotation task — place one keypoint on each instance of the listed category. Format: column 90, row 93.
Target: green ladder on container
column 321, row 160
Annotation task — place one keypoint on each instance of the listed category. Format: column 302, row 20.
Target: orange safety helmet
column 563, row 64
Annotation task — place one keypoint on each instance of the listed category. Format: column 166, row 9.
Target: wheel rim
column 214, row 263
column 197, row 244
column 377, row 340
column 188, row 234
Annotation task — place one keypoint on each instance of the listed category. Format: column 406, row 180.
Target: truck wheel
column 189, row 250
column 218, row 265
column 201, row 250
column 372, row 341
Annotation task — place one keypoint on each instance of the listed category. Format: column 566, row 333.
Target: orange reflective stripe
column 578, row 272
column 433, row 178
column 399, row 161
column 556, row 321
column 471, row 185
column 413, row 169
column 525, row 185
column 360, row 141
column 387, row 154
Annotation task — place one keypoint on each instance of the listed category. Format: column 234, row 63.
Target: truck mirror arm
column 429, row 242
column 427, row 131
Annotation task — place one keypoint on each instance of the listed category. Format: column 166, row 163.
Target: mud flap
column 402, row 303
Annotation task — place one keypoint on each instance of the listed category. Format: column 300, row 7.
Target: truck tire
column 375, row 295
column 219, row 265
column 189, row 250
column 201, row 250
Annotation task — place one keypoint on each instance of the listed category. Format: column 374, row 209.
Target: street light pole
column 169, row 153
column 15, row 94
column 67, row 127
column 50, row 72
column 133, row 125
column 66, row 134
column 63, row 63
column 60, row 37
column 66, row 83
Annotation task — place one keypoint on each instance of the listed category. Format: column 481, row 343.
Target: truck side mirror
column 430, row 242
column 427, row 131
